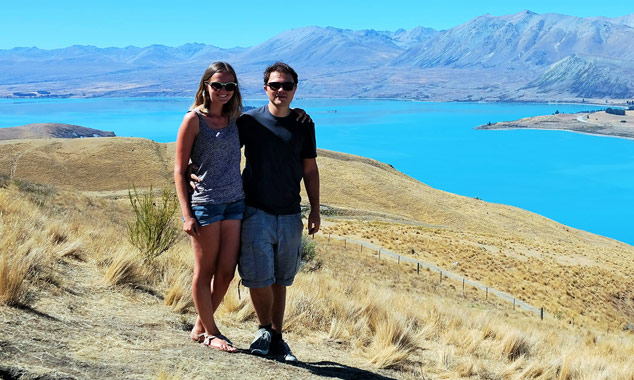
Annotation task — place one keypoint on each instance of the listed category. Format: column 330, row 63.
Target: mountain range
column 520, row 57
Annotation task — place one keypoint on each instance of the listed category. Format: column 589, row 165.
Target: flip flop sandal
column 209, row 338
column 199, row 337
column 229, row 342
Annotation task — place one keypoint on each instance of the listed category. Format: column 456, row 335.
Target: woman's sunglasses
column 229, row 86
column 287, row 86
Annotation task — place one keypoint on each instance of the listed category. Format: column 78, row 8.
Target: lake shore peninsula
column 51, row 130
column 595, row 123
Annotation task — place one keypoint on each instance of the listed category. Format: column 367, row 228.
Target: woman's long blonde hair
column 233, row 107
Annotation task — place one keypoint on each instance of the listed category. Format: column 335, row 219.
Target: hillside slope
column 539, row 261
column 88, row 306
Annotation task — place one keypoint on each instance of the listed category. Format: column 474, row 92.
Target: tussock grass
column 14, row 270
column 22, row 249
column 374, row 321
column 393, row 328
column 125, row 268
column 179, row 293
column 73, row 249
column 514, row 344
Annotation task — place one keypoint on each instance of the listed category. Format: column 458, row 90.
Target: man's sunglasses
column 287, row 86
column 229, row 86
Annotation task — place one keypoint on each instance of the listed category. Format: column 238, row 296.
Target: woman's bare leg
column 227, row 260
column 206, row 248
column 226, row 263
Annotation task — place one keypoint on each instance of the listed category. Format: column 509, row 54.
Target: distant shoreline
column 601, row 124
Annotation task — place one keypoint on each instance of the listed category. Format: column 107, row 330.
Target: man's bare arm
column 311, row 181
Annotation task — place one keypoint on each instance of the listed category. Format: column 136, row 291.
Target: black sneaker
column 261, row 343
column 279, row 347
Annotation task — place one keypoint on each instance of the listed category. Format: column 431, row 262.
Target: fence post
column 463, row 294
column 487, row 296
column 328, row 239
column 399, row 259
column 513, row 303
column 417, row 268
column 440, row 277
column 361, row 249
column 541, row 313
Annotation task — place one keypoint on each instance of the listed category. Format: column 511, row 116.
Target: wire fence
column 443, row 274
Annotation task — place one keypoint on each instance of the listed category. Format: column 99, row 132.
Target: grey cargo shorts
column 270, row 250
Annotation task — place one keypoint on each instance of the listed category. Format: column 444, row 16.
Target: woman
column 208, row 136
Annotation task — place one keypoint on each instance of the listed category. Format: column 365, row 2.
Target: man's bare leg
column 262, row 299
column 278, row 307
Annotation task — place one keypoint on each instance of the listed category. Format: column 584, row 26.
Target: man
column 280, row 152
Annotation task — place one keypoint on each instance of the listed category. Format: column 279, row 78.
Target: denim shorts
column 208, row 213
column 271, row 248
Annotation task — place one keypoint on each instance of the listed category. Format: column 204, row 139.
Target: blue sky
column 51, row 24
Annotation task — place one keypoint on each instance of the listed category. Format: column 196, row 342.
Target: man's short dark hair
column 280, row 67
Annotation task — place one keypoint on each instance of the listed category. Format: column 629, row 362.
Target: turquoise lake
column 586, row 182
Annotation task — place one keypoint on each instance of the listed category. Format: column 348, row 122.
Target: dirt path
column 82, row 329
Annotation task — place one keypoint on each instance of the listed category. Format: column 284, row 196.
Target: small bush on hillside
column 153, row 231
column 37, row 192
column 4, row 180
column 310, row 262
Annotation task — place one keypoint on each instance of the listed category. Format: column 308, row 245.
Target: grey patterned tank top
column 216, row 152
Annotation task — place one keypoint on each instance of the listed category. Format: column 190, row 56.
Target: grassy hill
column 82, row 288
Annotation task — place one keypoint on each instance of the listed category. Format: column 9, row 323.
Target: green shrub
column 4, row 180
column 310, row 262
column 153, row 231
column 37, row 192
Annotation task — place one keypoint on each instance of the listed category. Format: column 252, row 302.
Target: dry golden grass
column 125, row 268
column 22, row 248
column 579, row 284
column 576, row 276
column 14, row 268
column 447, row 336
column 94, row 164
column 179, row 294
column 410, row 325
